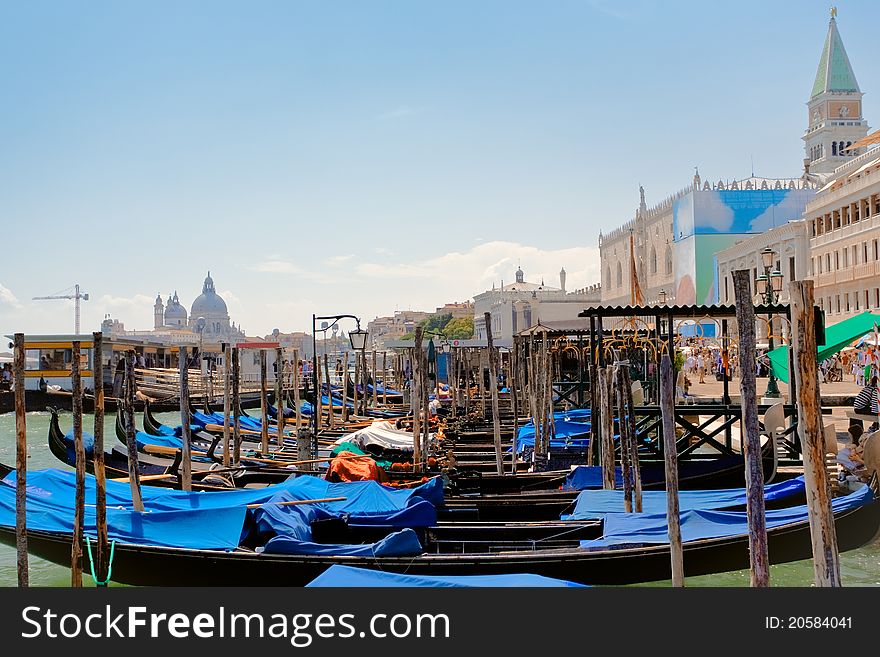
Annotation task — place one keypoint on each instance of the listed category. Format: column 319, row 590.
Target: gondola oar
column 295, row 502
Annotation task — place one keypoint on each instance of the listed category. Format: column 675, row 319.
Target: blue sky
column 367, row 156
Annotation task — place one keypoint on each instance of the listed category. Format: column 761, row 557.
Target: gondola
column 161, row 471
column 857, row 522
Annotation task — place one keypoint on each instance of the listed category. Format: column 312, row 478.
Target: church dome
column 209, row 304
column 174, row 310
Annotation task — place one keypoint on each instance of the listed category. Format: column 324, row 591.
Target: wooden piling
column 426, row 414
column 514, row 401
column 236, row 406
column 20, row 460
column 670, row 457
column 357, row 375
column 264, row 405
column 331, row 413
column 375, row 379
column 226, row 403
column 493, row 389
column 751, row 438
column 185, row 431
column 80, row 458
column 607, row 419
column 384, row 380
column 101, row 563
column 823, row 534
column 624, row 438
column 632, row 436
column 417, row 396
column 345, row 387
column 279, row 398
column 128, row 412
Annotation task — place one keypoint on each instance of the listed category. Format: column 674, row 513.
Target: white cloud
column 7, row 297
column 461, row 275
column 336, row 261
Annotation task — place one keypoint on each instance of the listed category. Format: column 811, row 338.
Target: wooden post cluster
column 345, row 387
column 745, row 319
column 826, row 561
column 375, row 384
column 128, row 412
column 619, row 386
column 331, row 414
column 101, row 558
column 628, row 417
column 185, row 437
column 493, row 385
column 80, row 452
column 514, row 400
column 384, row 380
column 417, row 397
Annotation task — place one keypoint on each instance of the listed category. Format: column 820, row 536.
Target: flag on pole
column 636, row 298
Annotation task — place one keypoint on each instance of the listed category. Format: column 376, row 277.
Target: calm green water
column 858, row 568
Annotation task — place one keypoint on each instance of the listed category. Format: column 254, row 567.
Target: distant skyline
column 363, row 157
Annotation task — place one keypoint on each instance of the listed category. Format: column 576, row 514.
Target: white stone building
column 520, row 305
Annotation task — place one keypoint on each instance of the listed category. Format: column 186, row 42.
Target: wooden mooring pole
column 624, row 438
column 185, row 431
column 128, row 413
column 264, row 405
column 236, row 406
column 101, row 558
column 331, row 412
column 751, row 438
column 279, row 396
column 226, row 403
column 20, row 460
column 607, row 418
column 670, row 458
column 80, row 453
column 375, row 382
column 384, row 380
column 826, row 560
column 493, row 390
column 417, row 397
column 632, row 436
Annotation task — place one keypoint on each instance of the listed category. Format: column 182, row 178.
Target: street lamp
column 769, row 285
column 661, row 297
column 358, row 339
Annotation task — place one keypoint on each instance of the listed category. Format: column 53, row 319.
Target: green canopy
column 837, row 336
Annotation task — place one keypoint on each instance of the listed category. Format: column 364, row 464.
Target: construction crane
column 76, row 296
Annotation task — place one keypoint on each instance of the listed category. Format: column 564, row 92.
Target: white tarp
column 381, row 434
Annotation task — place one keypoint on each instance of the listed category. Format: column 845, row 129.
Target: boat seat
column 774, row 430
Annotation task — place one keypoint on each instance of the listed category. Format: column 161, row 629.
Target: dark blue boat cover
column 584, row 477
column 403, row 543
column 88, row 445
column 625, row 529
column 348, row 576
column 595, row 504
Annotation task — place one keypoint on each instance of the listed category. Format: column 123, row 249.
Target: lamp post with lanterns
column 768, row 286
column 358, row 339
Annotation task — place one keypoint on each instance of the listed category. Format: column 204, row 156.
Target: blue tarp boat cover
column 216, row 520
column 403, row 543
column 630, row 529
column 349, row 576
column 50, row 503
column 595, row 504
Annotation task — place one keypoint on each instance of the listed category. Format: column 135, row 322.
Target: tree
column 460, row 328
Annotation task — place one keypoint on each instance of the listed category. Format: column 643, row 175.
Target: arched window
column 619, row 275
column 608, row 277
column 669, row 261
column 833, row 148
column 653, row 260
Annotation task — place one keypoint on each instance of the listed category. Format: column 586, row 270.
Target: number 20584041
column 808, row 622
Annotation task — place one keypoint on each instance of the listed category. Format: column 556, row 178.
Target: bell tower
column 834, row 119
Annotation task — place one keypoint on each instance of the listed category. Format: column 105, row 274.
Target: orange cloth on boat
column 353, row 469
